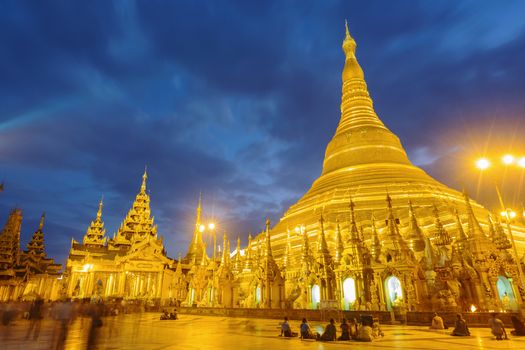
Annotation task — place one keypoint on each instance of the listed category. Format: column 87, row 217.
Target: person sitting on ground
column 345, row 330
column 376, row 329
column 519, row 326
column 365, row 333
column 286, row 331
column 497, row 327
column 437, row 322
column 460, row 328
column 330, row 332
column 306, row 332
column 353, row 328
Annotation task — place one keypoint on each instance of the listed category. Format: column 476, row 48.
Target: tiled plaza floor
column 146, row 331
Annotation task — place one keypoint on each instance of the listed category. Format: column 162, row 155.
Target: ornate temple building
column 130, row 265
column 374, row 232
column 26, row 274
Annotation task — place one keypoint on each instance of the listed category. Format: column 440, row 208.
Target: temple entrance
column 257, row 296
column 394, row 292
column 506, row 294
column 316, row 296
column 349, row 294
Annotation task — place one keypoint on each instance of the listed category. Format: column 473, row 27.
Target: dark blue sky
column 238, row 99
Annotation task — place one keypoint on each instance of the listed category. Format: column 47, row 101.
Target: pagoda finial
column 349, row 43
column 100, row 205
column 42, row 220
column 144, row 178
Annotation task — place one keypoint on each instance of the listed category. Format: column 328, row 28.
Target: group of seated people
column 350, row 330
column 169, row 314
column 496, row 326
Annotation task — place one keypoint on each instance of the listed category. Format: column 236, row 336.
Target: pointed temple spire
column 441, row 237
column 288, row 252
column 95, row 233
column 248, row 261
column 416, row 238
column 138, row 223
column 376, row 243
column 10, row 242
column 268, row 240
column 36, row 245
column 144, row 179
column 306, row 247
column 461, row 236
column 237, row 263
column 500, row 238
column 323, row 254
column 339, row 244
column 358, row 116
column 474, row 228
column 196, row 248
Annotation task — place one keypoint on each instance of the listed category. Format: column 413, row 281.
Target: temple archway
column 394, row 292
column 506, row 294
column 192, row 297
column 257, row 295
column 349, row 293
column 316, row 296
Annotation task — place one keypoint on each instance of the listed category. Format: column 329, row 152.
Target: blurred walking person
column 64, row 314
column 35, row 319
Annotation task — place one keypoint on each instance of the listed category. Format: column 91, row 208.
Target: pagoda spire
column 442, row 238
column 95, row 233
column 358, row 117
column 500, row 238
column 138, row 223
column 339, row 244
column 323, row 253
column 416, row 238
column 461, row 236
column 237, row 263
column 196, row 248
column 288, row 251
column 474, row 228
column 10, row 242
column 144, row 179
column 248, row 261
column 268, row 240
column 376, row 243
column 36, row 245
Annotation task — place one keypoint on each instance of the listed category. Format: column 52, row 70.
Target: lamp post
column 507, row 160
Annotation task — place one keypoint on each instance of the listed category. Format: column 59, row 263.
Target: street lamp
column 508, row 159
column 508, row 214
column 483, row 163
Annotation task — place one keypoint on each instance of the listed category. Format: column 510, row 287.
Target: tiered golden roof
column 138, row 223
column 95, row 233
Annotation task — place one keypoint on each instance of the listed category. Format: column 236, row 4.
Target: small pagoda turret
column 95, row 233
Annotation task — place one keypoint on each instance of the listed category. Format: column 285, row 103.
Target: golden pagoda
column 364, row 162
column 374, row 232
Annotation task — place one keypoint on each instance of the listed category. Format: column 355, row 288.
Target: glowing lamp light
column 473, row 308
column 202, row 228
column 297, row 229
column 512, row 214
column 521, row 162
column 211, row 226
column 482, row 163
column 508, row 159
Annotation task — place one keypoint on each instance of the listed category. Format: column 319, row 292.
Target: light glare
column 521, row 162
column 482, row 163
column 201, row 228
column 508, row 159
column 211, row 226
